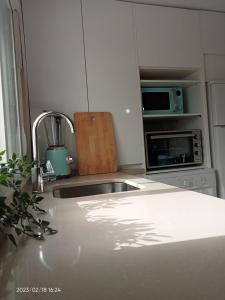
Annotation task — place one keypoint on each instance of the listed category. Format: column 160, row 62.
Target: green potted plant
column 17, row 211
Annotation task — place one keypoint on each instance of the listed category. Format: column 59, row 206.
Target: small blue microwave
column 162, row 100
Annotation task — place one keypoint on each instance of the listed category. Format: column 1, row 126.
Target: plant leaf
column 12, row 239
column 2, row 153
column 45, row 223
column 38, row 199
column 18, row 231
column 19, row 210
column 51, row 231
column 14, row 156
column 27, row 228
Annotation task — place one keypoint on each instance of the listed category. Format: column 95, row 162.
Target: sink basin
column 93, row 189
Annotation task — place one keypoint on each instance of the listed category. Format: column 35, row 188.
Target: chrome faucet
column 38, row 174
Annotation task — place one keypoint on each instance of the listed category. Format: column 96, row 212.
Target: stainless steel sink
column 93, row 189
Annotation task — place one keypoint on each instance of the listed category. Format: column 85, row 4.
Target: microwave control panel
column 178, row 100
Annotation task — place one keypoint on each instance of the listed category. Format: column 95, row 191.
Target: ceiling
column 215, row 5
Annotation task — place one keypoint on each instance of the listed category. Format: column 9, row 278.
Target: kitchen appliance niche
column 194, row 115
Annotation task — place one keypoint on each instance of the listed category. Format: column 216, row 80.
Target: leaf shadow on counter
column 120, row 223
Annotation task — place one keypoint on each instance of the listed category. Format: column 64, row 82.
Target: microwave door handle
column 168, row 136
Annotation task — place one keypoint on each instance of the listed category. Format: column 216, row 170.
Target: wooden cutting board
column 95, row 143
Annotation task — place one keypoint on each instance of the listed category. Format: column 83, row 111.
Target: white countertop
column 160, row 242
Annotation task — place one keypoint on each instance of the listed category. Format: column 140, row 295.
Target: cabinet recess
column 195, row 114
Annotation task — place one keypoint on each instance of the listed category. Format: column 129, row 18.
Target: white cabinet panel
column 212, row 32
column 218, row 104
column 219, row 158
column 215, row 67
column 55, row 60
column 200, row 180
column 167, row 37
column 55, row 55
column 112, row 75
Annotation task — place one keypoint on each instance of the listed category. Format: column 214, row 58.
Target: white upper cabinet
column 218, row 104
column 167, row 37
column 112, row 73
column 213, row 32
column 55, row 60
column 55, row 55
column 215, row 67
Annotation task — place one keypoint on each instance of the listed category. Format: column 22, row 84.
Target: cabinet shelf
column 211, row 82
column 171, row 116
column 168, row 83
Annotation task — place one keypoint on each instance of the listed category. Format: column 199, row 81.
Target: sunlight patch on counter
column 157, row 219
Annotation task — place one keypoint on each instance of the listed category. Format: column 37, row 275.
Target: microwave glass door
column 169, row 150
column 156, row 101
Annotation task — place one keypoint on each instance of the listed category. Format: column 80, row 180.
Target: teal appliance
column 57, row 153
column 59, row 158
column 162, row 100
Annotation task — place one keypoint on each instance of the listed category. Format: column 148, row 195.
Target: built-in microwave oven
column 162, row 100
column 172, row 149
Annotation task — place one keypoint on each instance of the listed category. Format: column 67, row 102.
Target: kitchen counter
column 159, row 242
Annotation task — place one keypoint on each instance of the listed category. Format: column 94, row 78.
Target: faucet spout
column 37, row 174
column 38, row 121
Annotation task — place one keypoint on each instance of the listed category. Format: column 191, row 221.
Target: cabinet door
column 167, row 37
column 55, row 60
column 215, row 67
column 218, row 104
column 218, row 147
column 112, row 74
column 55, row 55
column 212, row 32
